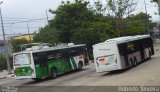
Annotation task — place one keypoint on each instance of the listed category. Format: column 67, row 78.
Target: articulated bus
column 123, row 52
column 39, row 63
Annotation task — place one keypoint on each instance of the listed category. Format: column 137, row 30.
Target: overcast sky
column 23, row 10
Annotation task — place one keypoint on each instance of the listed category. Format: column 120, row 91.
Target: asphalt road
column 146, row 74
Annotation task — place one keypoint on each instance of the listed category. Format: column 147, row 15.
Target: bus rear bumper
column 23, row 77
column 107, row 68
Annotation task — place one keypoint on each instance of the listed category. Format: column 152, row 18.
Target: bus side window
column 59, row 55
column 73, row 53
column 36, row 58
column 51, row 57
column 122, row 49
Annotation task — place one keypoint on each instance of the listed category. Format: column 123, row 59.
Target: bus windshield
column 22, row 59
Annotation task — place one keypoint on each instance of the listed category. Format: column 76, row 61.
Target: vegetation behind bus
column 79, row 22
column 83, row 22
column 3, row 63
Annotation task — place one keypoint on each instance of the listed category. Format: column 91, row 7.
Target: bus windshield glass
column 22, row 59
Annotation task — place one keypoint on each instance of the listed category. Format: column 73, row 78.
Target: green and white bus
column 39, row 63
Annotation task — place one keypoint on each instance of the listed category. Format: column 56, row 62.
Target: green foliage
column 85, row 36
column 70, row 16
column 2, row 62
column 119, row 9
column 78, row 22
column 75, row 22
column 17, row 42
column 137, row 24
column 48, row 35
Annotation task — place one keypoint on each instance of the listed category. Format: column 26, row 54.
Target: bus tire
column 53, row 73
column 80, row 65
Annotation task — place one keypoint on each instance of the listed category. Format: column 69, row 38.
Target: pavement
column 5, row 74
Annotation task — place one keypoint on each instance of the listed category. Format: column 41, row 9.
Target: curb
column 3, row 77
column 6, row 76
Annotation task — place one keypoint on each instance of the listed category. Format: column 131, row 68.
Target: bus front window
column 22, row 59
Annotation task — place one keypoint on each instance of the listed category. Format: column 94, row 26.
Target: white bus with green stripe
column 49, row 62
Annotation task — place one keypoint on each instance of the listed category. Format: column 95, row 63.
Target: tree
column 70, row 16
column 137, row 24
column 17, row 42
column 77, row 21
column 48, row 35
column 119, row 9
column 158, row 2
column 99, row 7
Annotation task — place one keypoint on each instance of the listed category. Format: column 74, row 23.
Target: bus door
column 73, row 57
column 42, row 66
column 67, row 63
column 86, row 57
column 142, row 47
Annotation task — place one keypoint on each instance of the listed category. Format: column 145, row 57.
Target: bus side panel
column 74, row 61
column 124, row 61
column 39, row 71
column 152, row 48
column 148, row 47
column 59, row 65
column 123, row 55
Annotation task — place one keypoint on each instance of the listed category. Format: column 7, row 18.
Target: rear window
column 22, row 59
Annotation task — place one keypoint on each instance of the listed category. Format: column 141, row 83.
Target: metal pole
column 6, row 43
column 147, row 18
column 47, row 16
column 28, row 32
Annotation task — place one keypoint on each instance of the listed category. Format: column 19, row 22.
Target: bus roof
column 52, row 48
column 127, row 38
column 59, row 47
column 124, row 39
column 41, row 43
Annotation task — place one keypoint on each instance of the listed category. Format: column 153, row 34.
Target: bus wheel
column 80, row 66
column 53, row 73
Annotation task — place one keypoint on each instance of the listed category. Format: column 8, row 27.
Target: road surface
column 146, row 73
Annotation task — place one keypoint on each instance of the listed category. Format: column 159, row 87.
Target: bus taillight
column 101, row 59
